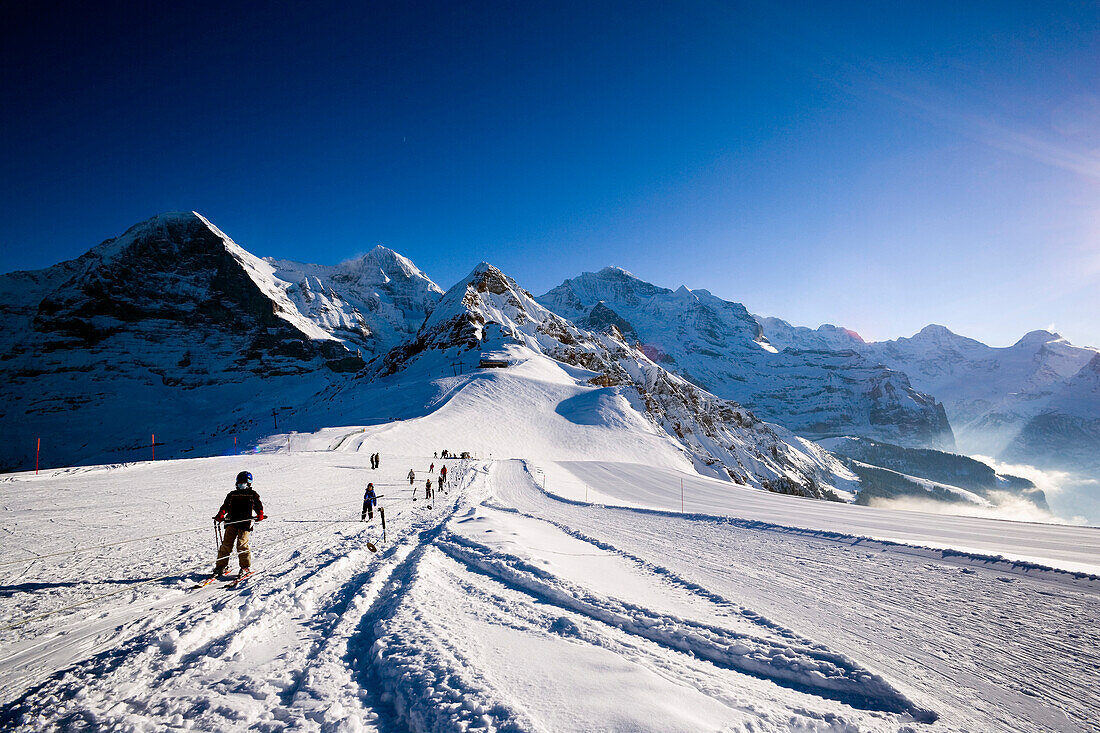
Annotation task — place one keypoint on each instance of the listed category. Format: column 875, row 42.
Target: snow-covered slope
column 718, row 344
column 606, row 381
column 372, row 302
column 504, row 607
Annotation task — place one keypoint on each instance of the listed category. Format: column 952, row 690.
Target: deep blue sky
column 877, row 165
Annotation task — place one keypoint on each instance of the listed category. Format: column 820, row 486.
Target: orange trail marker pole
column 153, row 444
column 37, row 451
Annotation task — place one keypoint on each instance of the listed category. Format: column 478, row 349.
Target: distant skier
column 442, row 474
column 428, row 490
column 435, row 454
column 412, row 476
column 237, row 513
column 370, row 500
column 377, row 460
column 431, row 468
column 441, row 482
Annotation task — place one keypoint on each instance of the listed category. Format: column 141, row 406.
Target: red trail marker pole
column 153, row 444
column 37, row 451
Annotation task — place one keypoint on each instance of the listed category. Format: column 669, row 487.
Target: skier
column 428, row 490
column 377, row 460
column 236, row 511
column 412, row 476
column 441, row 482
column 442, row 474
column 431, row 468
column 370, row 500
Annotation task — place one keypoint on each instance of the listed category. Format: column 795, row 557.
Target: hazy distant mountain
column 1035, row 401
column 814, row 389
column 1066, row 433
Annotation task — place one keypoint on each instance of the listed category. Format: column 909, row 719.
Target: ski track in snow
column 1023, row 653
column 507, row 609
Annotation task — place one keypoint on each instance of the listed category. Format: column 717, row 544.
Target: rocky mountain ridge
column 815, row 391
column 488, row 311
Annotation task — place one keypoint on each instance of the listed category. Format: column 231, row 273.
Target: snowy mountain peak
column 177, row 227
column 840, row 331
column 485, row 296
column 684, row 293
column 1036, row 339
column 935, row 332
column 381, row 265
column 371, row 302
column 613, row 271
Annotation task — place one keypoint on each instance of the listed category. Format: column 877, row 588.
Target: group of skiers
column 429, row 492
column 450, row 454
column 242, row 507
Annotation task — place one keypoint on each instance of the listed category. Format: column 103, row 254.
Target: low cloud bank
column 1004, row 506
column 1075, row 499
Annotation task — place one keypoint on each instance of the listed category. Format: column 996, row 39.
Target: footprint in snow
column 564, row 627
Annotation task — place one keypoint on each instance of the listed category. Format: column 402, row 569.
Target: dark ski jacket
column 241, row 504
column 369, row 497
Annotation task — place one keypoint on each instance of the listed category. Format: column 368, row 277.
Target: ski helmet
column 244, row 477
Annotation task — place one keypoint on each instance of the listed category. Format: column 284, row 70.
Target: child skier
column 370, row 500
column 237, row 513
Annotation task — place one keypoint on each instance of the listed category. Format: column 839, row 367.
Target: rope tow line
column 138, row 584
column 152, row 537
column 180, row 571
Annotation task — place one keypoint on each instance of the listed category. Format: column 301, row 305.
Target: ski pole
column 382, row 516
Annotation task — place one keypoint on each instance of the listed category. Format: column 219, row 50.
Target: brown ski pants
column 241, row 537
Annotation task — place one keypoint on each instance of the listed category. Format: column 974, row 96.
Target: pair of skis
column 229, row 585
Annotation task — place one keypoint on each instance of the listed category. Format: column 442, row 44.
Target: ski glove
column 220, row 517
column 261, row 517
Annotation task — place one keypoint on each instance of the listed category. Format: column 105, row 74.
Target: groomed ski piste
column 576, row 575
